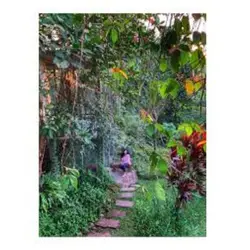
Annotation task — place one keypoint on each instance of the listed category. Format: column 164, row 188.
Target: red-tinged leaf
column 123, row 73
column 191, row 186
column 118, row 70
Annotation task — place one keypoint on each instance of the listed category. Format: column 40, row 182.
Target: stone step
column 126, row 195
column 117, row 213
column 128, row 189
column 99, row 234
column 122, row 203
column 108, row 223
column 135, row 185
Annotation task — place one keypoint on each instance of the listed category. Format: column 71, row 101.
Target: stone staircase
column 127, row 183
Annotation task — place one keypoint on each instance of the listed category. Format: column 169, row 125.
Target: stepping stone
column 126, row 195
column 135, row 185
column 129, row 189
column 122, row 203
column 118, row 213
column 108, row 223
column 96, row 234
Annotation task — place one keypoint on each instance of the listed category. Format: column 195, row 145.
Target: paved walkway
column 127, row 183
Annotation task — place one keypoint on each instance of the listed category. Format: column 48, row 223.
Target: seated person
column 125, row 161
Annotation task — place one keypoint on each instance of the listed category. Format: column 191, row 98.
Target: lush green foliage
column 152, row 216
column 74, row 210
column 109, row 81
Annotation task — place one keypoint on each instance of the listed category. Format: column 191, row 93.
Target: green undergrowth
column 74, row 215
column 153, row 217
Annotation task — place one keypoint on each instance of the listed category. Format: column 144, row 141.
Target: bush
column 154, row 217
column 80, row 208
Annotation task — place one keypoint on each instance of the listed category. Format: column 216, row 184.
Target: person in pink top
column 125, row 160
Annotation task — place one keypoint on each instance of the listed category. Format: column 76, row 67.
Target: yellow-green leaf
column 150, row 129
column 160, row 192
column 186, row 127
column 162, row 166
column 114, row 35
column 123, row 73
column 197, row 86
column 163, row 65
column 73, row 181
column 171, row 143
column 118, row 70
column 159, row 127
column 181, row 150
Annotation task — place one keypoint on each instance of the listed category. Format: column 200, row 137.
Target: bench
column 116, row 165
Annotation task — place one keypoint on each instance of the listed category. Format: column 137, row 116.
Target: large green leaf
column 186, row 127
column 181, row 150
column 160, row 192
column 148, row 195
column 65, row 182
column 153, row 92
column 163, row 65
column 114, row 35
column 107, row 22
column 162, row 89
column 171, row 86
column 74, row 172
column 159, row 127
column 73, row 180
column 171, row 143
column 194, row 59
column 153, row 160
column 175, row 60
column 197, row 86
column 177, row 25
column 162, row 166
column 195, row 126
column 50, row 133
column 150, row 129
column 184, row 58
column 44, row 202
column 185, row 23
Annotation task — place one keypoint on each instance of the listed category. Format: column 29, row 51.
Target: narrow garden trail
column 105, row 225
column 115, row 82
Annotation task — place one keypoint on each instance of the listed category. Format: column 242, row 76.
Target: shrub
column 79, row 208
column 154, row 217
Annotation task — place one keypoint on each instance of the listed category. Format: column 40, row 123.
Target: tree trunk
column 55, row 166
column 42, row 148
